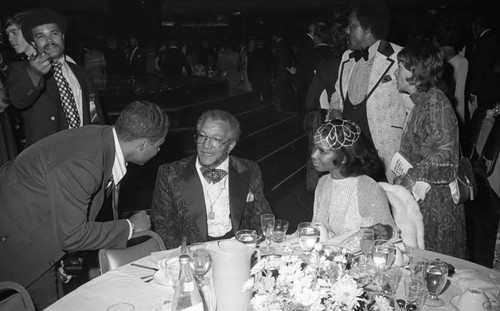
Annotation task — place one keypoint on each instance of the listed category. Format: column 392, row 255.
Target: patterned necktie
column 66, row 95
column 212, row 175
column 358, row 54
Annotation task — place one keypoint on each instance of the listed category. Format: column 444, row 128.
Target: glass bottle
column 186, row 297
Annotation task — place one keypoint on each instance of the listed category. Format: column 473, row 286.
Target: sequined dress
column 343, row 205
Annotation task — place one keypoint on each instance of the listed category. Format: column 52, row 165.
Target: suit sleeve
column 23, row 93
column 163, row 210
column 71, row 193
column 260, row 204
column 336, row 104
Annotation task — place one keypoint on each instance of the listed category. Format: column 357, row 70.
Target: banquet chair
column 141, row 244
column 14, row 297
column 491, row 148
column 406, row 213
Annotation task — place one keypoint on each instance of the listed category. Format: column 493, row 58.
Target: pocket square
column 250, row 197
column 386, row 78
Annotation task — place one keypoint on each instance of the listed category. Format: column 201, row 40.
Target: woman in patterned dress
column 430, row 143
column 348, row 198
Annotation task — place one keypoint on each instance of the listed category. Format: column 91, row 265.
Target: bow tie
column 212, row 175
column 358, row 54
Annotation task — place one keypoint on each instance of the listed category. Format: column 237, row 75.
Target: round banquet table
column 124, row 285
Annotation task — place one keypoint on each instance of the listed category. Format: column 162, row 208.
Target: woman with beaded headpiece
column 347, row 198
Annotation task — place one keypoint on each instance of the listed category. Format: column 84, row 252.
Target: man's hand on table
column 141, row 221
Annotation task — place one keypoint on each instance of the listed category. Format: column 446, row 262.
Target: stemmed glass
column 267, row 223
column 308, row 236
column 201, row 262
column 366, row 243
column 436, row 276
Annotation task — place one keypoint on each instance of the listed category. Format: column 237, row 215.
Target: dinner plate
column 159, row 278
column 453, row 303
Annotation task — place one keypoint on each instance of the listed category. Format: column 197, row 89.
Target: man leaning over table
column 52, row 192
column 212, row 195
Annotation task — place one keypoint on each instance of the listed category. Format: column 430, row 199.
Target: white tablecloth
column 123, row 285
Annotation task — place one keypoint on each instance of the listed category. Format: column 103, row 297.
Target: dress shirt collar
column 372, row 50
column 119, row 165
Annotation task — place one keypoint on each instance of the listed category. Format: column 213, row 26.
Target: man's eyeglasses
column 214, row 142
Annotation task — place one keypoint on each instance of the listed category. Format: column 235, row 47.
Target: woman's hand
column 405, row 181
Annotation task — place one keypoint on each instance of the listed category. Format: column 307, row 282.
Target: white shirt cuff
column 131, row 227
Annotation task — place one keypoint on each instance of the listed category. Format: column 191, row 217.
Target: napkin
column 469, row 278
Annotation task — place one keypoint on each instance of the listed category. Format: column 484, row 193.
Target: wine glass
column 308, row 236
column 366, row 243
column 267, row 223
column 201, row 262
column 436, row 276
column 383, row 254
column 247, row 237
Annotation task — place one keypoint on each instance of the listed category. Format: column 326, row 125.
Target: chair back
column 16, row 297
column 406, row 213
column 492, row 148
column 470, row 138
column 140, row 245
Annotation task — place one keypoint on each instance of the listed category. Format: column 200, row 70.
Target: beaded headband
column 337, row 133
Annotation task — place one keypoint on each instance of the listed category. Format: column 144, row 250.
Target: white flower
column 381, row 304
column 346, row 292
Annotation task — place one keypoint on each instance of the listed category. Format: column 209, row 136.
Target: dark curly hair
column 373, row 15
column 142, row 119
column 361, row 158
column 425, row 61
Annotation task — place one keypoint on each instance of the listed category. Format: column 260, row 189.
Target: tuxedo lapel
column 345, row 75
column 192, row 192
column 239, row 181
column 109, row 158
column 382, row 65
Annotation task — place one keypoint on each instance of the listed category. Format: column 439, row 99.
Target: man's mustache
column 48, row 45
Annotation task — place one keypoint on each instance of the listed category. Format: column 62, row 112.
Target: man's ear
column 142, row 144
column 232, row 144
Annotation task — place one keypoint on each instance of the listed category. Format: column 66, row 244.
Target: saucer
column 159, row 278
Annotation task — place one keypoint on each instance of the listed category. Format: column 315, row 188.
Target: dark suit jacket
column 481, row 79
column 324, row 79
column 179, row 206
column 41, row 106
column 50, row 196
column 305, row 64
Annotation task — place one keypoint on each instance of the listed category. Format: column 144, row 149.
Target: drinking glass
column 247, row 237
column 267, row 223
column 436, row 276
column 418, row 266
column 491, row 306
column 280, row 229
column 308, row 236
column 390, row 280
column 383, row 253
column 366, row 243
column 201, row 262
column 415, row 292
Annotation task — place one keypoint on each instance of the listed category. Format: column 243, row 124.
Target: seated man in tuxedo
column 212, row 195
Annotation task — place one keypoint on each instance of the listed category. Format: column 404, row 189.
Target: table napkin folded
column 469, row 278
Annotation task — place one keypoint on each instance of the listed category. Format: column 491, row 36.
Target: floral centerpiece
column 321, row 282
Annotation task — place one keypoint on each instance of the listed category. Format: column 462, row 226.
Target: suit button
column 3, row 238
column 53, row 118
